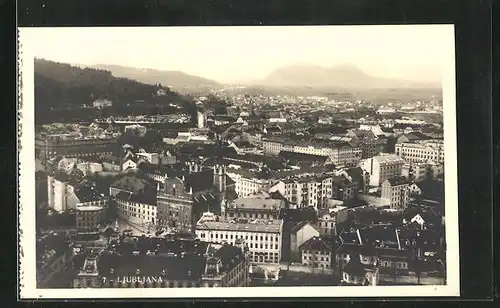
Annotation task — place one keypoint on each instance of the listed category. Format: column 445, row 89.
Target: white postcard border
column 27, row 238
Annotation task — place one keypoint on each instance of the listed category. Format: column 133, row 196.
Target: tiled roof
column 398, row 180
column 273, row 227
column 257, row 204
column 316, row 243
column 176, row 268
column 388, row 158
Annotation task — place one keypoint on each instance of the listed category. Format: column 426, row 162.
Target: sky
column 239, row 54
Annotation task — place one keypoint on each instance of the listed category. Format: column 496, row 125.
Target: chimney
column 397, row 236
column 359, row 237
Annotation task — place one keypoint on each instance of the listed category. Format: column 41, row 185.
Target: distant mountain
column 174, row 79
column 338, row 77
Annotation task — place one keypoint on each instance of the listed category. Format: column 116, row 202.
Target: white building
column 246, row 182
column 316, row 253
column 263, row 237
column 136, row 210
column 396, row 190
column 306, row 190
column 421, row 152
column 101, row 103
column 382, row 167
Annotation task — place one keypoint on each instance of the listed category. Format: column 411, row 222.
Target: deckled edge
column 20, row 263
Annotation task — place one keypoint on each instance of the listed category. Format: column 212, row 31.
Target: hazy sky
column 233, row 54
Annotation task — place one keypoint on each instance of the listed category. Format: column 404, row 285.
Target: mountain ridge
column 177, row 80
column 341, row 76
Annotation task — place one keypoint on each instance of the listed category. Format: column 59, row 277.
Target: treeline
column 62, row 91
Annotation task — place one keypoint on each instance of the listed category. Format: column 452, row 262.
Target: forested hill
column 60, row 88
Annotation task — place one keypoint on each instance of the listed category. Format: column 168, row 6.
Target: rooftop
column 263, row 227
column 316, row 243
column 396, row 181
column 257, row 204
column 388, row 159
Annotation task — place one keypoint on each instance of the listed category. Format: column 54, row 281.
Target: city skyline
column 409, row 52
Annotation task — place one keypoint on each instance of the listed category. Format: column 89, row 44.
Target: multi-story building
column 317, row 253
column 89, row 218
column 382, row 167
column 421, row 152
column 69, row 145
column 299, row 234
column 247, row 182
column 258, row 206
column 306, row 190
column 415, row 172
column 137, row 209
column 185, row 197
column 343, row 187
column 263, row 237
column 53, row 254
column 341, row 153
column 396, row 190
column 67, row 191
column 371, row 145
column 175, row 264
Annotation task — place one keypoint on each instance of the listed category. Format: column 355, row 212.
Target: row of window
column 252, row 215
column 246, row 237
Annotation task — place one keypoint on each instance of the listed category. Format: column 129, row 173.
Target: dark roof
column 243, row 144
column 354, row 267
column 398, row 180
column 355, row 173
column 131, row 183
column 301, row 157
column 417, row 136
column 200, row 181
column 87, row 193
column 176, row 268
column 316, row 243
column 299, row 226
column 404, row 125
column 353, row 249
column 141, row 197
column 229, row 256
column 273, row 129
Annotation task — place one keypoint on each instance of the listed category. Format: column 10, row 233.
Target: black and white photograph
column 304, row 161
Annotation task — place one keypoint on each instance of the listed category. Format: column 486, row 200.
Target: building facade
column 47, row 147
column 421, row 152
column 89, row 218
column 382, row 167
column 317, row 253
column 396, row 190
column 263, row 238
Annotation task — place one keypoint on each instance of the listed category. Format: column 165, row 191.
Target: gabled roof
column 299, row 226
column 398, row 180
column 316, row 243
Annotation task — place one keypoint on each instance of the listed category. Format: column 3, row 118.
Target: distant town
column 226, row 188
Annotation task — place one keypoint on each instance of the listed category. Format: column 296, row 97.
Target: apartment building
column 306, row 190
column 396, row 190
column 317, row 253
column 254, row 207
column 421, row 152
column 263, row 237
column 247, row 182
column 340, row 152
column 382, row 167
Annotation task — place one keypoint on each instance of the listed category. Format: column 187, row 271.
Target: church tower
column 219, row 173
